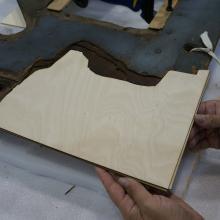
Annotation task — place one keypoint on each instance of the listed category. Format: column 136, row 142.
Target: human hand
column 136, row 203
column 206, row 130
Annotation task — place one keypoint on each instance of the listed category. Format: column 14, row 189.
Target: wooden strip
column 162, row 16
column 58, row 5
column 135, row 130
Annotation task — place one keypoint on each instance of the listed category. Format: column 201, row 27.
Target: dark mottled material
column 138, row 56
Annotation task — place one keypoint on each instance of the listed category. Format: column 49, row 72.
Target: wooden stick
column 162, row 16
column 58, row 5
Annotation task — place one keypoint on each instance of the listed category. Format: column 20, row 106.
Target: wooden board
column 58, row 5
column 162, row 16
column 15, row 18
column 136, row 130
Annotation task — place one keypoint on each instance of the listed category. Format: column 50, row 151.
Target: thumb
column 208, row 121
column 136, row 191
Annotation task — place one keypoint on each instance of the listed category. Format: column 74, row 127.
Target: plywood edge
column 207, row 74
column 151, row 187
column 162, row 16
column 58, row 5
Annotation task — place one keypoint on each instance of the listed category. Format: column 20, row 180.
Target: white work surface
column 33, row 179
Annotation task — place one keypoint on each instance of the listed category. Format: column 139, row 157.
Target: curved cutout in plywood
column 135, row 130
column 99, row 62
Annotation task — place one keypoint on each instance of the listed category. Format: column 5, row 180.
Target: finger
column 195, row 130
column 208, row 107
column 208, row 121
column 213, row 139
column 217, row 107
column 136, row 191
column 201, row 145
column 193, row 133
column 116, row 192
column 196, row 139
column 181, row 202
column 185, row 206
column 211, row 108
column 202, row 108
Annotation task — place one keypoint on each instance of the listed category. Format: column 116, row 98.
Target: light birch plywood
column 15, row 18
column 136, row 130
column 162, row 16
column 58, row 5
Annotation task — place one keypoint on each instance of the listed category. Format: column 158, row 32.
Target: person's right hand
column 137, row 203
column 206, row 130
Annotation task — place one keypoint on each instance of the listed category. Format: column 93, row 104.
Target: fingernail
column 123, row 182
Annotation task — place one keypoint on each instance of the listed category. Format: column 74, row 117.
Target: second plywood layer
column 135, row 130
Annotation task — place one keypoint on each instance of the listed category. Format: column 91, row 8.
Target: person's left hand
column 136, row 203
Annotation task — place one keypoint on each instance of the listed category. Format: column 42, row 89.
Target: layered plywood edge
column 134, row 130
column 15, row 18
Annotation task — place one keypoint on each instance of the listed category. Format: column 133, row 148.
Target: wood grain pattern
column 136, row 130
column 162, row 16
column 15, row 18
column 58, row 5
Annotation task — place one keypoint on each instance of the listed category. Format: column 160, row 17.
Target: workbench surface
column 33, row 179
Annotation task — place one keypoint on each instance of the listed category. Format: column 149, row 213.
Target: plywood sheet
column 15, row 18
column 58, row 5
column 136, row 130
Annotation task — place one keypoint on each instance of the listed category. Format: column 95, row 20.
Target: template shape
column 135, row 130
